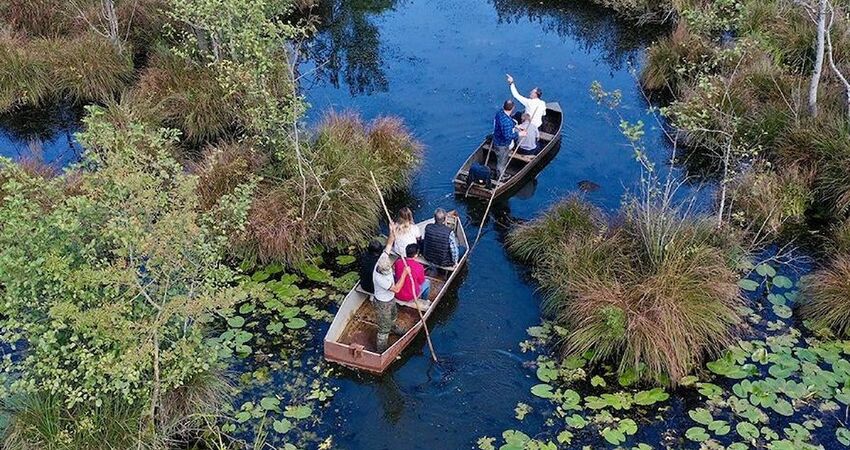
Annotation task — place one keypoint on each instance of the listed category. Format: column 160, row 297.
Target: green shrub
column 653, row 292
column 826, row 296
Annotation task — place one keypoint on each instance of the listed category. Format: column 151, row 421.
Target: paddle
column 409, row 274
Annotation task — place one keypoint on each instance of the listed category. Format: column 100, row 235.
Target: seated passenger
column 421, row 283
column 528, row 136
column 440, row 242
column 404, row 231
column 367, row 265
column 384, row 301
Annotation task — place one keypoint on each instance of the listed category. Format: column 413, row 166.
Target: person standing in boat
column 421, row 284
column 504, row 135
column 367, row 265
column 533, row 104
column 440, row 242
column 404, row 231
column 386, row 309
column 528, row 137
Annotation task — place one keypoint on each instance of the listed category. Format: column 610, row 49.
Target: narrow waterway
column 441, row 65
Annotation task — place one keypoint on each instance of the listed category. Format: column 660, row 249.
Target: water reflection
column 592, row 26
column 348, row 45
column 44, row 133
column 391, row 399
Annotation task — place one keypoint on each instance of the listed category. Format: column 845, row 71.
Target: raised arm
column 524, row 100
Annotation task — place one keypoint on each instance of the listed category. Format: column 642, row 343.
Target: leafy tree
column 110, row 274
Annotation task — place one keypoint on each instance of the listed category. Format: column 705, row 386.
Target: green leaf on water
column 296, row 323
column 719, row 427
column 843, row 436
column 776, row 299
column 765, row 270
column 613, row 435
column 646, row 398
column 709, row 390
column 542, row 390
column 576, row 421
column 701, row 416
column 282, row 426
column 236, row 322
column 783, row 282
column 627, row 427
column 783, row 407
column 546, row 374
column 748, row 285
column 344, row 260
column 747, row 431
column 597, row 381
column 697, row 434
column 298, row 412
column 514, row 437
column 782, row 311
column 269, row 403
column 565, row 437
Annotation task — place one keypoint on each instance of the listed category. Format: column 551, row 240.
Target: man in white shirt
column 533, row 104
column 385, row 289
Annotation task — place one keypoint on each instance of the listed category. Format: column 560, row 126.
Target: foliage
column 81, row 69
column 826, row 296
column 614, row 288
column 333, row 204
column 128, row 277
column 186, row 95
column 768, row 202
column 569, row 219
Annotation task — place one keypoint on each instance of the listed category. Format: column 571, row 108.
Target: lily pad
column 296, row 323
column 782, row 311
column 576, row 421
column 282, row 426
column 613, row 435
column 748, row 285
column 542, row 390
column 783, row 282
column 843, row 436
column 747, row 431
column 765, row 270
column 298, row 412
column 697, row 434
column 701, row 416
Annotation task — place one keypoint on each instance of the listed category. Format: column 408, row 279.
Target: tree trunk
column 834, row 66
column 723, row 182
column 108, row 10
column 818, row 69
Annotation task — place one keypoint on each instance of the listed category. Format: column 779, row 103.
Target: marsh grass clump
column 188, row 96
column 334, row 204
column 826, row 296
column 84, row 68
column 653, row 291
column 767, row 202
column 673, row 58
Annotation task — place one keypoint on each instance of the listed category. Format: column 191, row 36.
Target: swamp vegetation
column 169, row 290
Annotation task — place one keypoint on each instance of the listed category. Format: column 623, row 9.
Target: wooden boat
column 351, row 338
column 521, row 168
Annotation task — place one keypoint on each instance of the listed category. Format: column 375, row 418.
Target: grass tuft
column 655, row 292
column 826, row 296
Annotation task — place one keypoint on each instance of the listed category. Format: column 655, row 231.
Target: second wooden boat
column 351, row 338
column 520, row 169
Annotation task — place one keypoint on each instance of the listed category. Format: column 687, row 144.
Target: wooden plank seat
column 423, row 305
column 524, row 158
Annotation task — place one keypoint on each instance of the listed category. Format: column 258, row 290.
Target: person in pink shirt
column 417, row 271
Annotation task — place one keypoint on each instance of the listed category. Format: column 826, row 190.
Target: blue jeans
column 426, row 289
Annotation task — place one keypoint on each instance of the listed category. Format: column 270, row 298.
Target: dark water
column 41, row 133
column 441, row 64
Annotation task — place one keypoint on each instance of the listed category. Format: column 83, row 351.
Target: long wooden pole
column 409, row 274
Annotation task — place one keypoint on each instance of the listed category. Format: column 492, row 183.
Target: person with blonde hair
column 404, row 231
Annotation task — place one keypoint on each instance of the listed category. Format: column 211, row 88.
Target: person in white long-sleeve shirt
column 533, row 104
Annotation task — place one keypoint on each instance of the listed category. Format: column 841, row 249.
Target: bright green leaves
column 298, row 412
column 542, row 390
column 344, row 260
column 547, row 372
column 576, row 421
column 514, row 440
column 765, row 270
column 783, row 282
column 747, row 431
column 597, row 381
column 748, row 285
column 697, row 434
column 617, row 435
column 281, row 426
column 719, row 427
column 646, row 398
column 701, row 416
column 843, row 436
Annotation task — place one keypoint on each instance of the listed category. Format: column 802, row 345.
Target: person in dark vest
column 440, row 242
column 367, row 265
